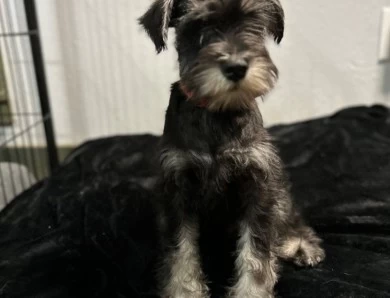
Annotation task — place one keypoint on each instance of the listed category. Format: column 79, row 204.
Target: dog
column 227, row 215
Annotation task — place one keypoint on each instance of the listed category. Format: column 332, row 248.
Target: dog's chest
column 211, row 148
column 223, row 165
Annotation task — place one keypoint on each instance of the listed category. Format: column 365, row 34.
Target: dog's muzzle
column 234, row 72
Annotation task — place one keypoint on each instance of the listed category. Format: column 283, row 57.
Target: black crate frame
column 44, row 116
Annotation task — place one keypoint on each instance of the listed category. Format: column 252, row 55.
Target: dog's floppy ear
column 276, row 21
column 156, row 22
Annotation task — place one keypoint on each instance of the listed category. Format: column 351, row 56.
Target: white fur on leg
column 256, row 276
column 186, row 278
column 302, row 251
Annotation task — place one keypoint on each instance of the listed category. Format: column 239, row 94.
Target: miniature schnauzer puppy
column 225, row 194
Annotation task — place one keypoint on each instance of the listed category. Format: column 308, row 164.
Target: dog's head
column 221, row 46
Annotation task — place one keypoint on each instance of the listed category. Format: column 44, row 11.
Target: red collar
column 201, row 103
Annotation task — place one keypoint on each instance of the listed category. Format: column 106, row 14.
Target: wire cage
column 99, row 68
column 27, row 143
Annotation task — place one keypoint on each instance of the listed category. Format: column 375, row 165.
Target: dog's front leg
column 256, row 265
column 184, row 277
column 255, row 268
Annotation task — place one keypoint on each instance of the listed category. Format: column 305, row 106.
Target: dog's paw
column 190, row 289
column 309, row 254
column 249, row 289
column 250, row 295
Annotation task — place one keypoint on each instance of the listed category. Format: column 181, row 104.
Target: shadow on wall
column 74, row 88
column 386, row 79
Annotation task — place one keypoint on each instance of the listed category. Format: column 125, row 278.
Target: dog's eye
column 205, row 38
column 201, row 39
column 209, row 36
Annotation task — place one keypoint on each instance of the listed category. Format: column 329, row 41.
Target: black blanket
column 89, row 230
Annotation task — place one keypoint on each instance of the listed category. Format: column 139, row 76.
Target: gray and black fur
column 225, row 195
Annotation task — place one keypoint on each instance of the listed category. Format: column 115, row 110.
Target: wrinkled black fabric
column 90, row 229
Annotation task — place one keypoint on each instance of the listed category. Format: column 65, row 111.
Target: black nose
column 234, row 72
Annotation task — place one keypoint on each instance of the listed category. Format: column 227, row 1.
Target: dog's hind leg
column 301, row 245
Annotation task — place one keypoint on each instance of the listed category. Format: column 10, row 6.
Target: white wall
column 329, row 59
column 105, row 78
column 103, row 73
